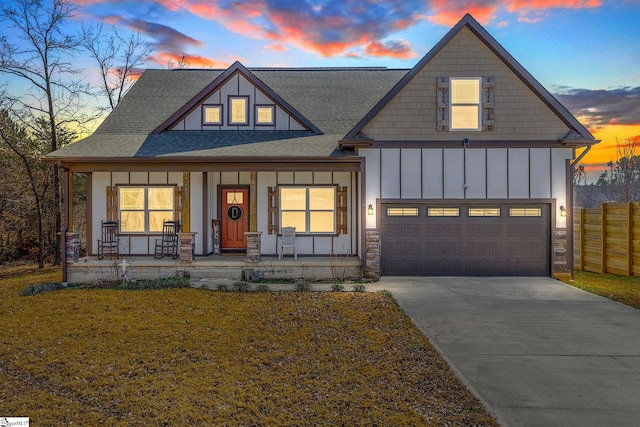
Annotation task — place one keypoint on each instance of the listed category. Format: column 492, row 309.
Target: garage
column 465, row 239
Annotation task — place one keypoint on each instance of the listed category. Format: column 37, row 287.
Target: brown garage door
column 465, row 240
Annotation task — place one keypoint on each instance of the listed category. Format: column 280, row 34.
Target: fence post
column 603, row 237
column 629, row 239
column 582, row 237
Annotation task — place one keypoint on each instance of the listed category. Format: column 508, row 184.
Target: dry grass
column 197, row 357
column 624, row 289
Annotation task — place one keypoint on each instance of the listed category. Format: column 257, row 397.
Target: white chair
column 288, row 240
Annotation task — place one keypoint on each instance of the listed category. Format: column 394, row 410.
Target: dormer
column 237, row 100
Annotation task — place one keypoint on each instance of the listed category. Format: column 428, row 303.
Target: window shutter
column 488, row 104
column 112, row 203
column 273, row 222
column 442, row 100
column 341, row 210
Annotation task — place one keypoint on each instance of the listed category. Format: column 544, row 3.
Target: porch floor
column 232, row 266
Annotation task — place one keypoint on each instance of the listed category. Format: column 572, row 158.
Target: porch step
column 222, row 272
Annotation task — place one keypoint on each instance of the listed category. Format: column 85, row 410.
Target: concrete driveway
column 538, row 352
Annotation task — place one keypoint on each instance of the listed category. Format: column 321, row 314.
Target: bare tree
column 25, row 148
column 118, row 58
column 42, row 59
column 625, row 172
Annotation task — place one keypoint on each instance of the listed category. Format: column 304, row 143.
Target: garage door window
column 484, row 212
column 443, row 211
column 525, row 212
column 402, row 212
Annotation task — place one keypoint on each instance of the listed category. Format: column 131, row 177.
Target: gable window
column 238, row 110
column 144, row 209
column 309, row 209
column 212, row 115
column 465, row 104
column 265, row 115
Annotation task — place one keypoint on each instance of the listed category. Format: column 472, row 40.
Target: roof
column 333, row 100
column 334, row 104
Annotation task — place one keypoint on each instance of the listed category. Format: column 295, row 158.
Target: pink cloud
column 277, row 47
column 189, row 61
column 395, row 49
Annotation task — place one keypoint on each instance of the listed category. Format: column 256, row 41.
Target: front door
column 235, row 217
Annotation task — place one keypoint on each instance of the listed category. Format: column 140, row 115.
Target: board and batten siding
column 435, row 174
column 342, row 244
column 238, row 85
column 129, row 244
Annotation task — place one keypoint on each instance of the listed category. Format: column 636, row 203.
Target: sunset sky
column 585, row 52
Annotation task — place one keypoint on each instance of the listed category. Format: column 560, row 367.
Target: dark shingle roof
column 334, row 100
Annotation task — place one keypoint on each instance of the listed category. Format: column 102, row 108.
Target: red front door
column 235, row 217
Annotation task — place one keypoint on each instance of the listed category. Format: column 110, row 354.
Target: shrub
column 262, row 287
column 41, row 287
column 164, row 283
column 358, row 287
column 241, row 286
column 337, row 287
column 303, row 286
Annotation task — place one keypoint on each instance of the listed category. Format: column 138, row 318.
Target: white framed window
column 265, row 115
column 212, row 114
column 144, row 209
column 309, row 209
column 238, row 110
column 466, row 108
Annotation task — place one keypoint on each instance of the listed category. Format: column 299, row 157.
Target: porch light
column 370, row 209
column 563, row 210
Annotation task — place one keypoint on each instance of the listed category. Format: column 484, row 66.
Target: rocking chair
column 109, row 244
column 168, row 244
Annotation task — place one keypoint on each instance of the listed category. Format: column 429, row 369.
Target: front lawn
column 624, row 289
column 198, row 357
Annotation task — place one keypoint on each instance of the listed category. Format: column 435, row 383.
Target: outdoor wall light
column 370, row 209
column 563, row 210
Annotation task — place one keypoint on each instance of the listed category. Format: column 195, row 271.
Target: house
column 458, row 166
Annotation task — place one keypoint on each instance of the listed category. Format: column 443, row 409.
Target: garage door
column 465, row 240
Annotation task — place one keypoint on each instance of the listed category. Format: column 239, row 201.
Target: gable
column 519, row 108
column 259, row 110
column 237, row 100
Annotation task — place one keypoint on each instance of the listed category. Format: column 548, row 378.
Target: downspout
column 584, row 153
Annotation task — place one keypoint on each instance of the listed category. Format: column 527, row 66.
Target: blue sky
column 585, row 52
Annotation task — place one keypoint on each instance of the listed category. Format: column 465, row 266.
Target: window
column 443, row 212
column 484, row 212
column 265, row 115
column 525, row 212
column 212, row 114
column 308, row 209
column 144, row 209
column 238, row 110
column 465, row 104
column 402, row 211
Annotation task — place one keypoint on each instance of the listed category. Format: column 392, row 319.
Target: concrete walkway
column 538, row 352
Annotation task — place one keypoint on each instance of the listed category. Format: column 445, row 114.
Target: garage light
column 563, row 210
column 370, row 209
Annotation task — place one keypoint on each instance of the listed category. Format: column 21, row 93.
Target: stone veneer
column 372, row 254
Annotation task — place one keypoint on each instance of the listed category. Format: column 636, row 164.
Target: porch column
column 253, row 203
